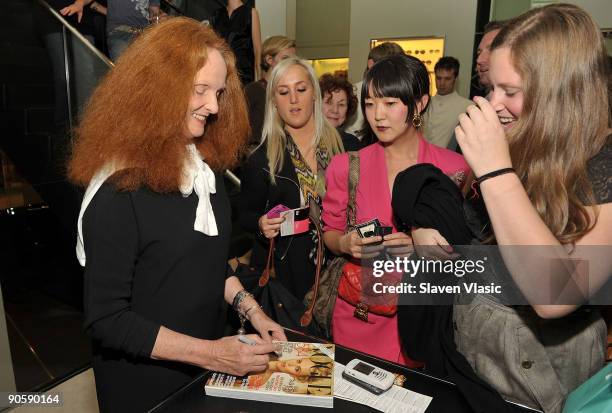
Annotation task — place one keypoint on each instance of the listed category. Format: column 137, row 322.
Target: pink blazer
column 379, row 336
column 373, row 197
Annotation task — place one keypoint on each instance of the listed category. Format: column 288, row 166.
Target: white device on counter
column 368, row 376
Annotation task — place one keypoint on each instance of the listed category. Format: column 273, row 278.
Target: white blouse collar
column 197, row 176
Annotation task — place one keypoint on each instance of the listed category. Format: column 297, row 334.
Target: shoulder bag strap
column 353, row 180
column 306, row 318
column 268, row 271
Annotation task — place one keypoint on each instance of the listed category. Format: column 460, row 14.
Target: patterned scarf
column 312, row 186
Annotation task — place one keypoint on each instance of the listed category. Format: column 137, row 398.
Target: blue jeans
column 118, row 41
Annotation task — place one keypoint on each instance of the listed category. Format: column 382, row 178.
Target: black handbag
column 276, row 301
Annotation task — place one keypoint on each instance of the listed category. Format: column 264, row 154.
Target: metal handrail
column 67, row 26
column 232, row 178
column 76, row 33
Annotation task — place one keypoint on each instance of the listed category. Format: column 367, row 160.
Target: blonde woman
column 288, row 168
column 542, row 152
column 274, row 50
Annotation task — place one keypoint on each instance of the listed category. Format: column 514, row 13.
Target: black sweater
column 147, row 267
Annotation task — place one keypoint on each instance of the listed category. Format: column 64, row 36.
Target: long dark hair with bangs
column 398, row 76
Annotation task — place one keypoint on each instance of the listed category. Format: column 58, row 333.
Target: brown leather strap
column 269, row 270
column 351, row 219
column 307, row 316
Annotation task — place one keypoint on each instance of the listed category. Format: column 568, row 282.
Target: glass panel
column 86, row 68
column 41, row 315
column 607, row 34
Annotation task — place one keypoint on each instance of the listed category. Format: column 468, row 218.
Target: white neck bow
column 200, row 178
column 197, row 176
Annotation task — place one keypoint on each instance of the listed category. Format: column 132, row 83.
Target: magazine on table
column 300, row 373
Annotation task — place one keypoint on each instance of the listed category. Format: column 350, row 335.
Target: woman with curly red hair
column 155, row 224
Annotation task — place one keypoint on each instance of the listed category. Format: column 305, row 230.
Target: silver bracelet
column 238, row 298
column 246, row 313
column 242, row 316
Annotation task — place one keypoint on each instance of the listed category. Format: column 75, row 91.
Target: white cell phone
column 368, row 376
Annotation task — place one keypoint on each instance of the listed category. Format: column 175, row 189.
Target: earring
column 417, row 120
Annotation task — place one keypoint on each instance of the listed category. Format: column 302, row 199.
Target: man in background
column 444, row 108
column 484, row 53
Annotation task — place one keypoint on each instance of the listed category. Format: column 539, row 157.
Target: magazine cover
column 302, row 374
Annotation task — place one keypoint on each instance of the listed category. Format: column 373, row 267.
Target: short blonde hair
column 272, row 46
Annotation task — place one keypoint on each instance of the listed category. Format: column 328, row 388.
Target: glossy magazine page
column 302, row 374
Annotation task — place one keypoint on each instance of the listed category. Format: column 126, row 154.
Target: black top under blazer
column 258, row 195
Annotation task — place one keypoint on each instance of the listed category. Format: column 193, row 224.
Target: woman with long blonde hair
column 541, row 151
column 155, row 225
column 288, row 168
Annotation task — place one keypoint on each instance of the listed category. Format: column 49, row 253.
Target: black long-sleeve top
column 146, row 267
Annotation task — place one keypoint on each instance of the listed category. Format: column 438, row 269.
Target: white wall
column 322, row 28
column 600, row 10
column 272, row 17
column 507, row 9
column 291, row 18
column 402, row 18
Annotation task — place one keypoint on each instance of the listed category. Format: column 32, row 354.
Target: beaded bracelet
column 238, row 298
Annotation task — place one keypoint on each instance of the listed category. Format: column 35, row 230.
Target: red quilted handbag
column 357, row 288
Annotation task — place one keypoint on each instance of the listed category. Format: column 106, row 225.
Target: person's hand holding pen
column 240, row 355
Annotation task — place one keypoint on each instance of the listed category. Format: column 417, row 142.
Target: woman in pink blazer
column 395, row 94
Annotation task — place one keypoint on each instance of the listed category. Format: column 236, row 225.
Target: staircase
column 40, row 279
